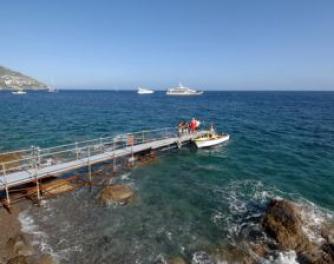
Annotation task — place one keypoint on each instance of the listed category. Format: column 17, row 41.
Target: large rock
column 46, row 259
column 176, row 260
column 282, row 221
column 57, row 187
column 19, row 246
column 18, row 260
column 119, row 194
column 52, row 188
column 12, row 160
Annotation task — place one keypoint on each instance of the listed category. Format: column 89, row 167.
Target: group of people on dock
column 188, row 127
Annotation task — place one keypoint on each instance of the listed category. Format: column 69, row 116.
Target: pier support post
column 36, row 169
column 6, row 185
column 38, row 156
column 77, row 150
column 114, row 158
column 38, row 190
column 101, row 144
column 89, row 167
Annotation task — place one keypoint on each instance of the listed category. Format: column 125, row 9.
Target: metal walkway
column 33, row 164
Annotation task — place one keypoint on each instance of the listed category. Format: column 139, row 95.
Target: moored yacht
column 144, row 91
column 182, row 91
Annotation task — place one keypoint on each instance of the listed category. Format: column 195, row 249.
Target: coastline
column 10, row 227
column 15, row 245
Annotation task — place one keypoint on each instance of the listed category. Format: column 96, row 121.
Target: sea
column 188, row 202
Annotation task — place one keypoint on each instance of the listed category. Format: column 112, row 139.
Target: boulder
column 13, row 160
column 176, row 260
column 282, row 221
column 327, row 232
column 322, row 255
column 52, row 188
column 18, row 246
column 18, row 260
column 46, row 259
column 119, row 194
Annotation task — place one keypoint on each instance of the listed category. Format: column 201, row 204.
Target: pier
column 33, row 164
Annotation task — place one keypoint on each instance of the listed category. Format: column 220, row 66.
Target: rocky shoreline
column 283, row 228
column 284, row 240
column 16, row 246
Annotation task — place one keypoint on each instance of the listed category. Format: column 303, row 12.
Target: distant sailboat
column 144, row 91
column 52, row 89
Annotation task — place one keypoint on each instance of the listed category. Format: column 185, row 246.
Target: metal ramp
column 36, row 163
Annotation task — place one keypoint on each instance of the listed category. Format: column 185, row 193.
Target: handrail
column 40, row 155
column 14, row 151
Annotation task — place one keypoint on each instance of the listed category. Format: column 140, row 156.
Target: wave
column 287, row 257
column 246, row 202
column 39, row 238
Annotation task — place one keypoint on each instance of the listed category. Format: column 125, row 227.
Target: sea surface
column 187, row 202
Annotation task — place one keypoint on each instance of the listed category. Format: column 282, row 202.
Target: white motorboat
column 211, row 139
column 144, row 91
column 19, row 92
column 182, row 91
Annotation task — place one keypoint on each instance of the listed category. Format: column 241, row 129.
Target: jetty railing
column 36, row 161
column 38, row 158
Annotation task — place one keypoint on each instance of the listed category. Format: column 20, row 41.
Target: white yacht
column 182, row 91
column 144, row 91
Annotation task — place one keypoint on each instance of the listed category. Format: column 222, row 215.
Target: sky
column 207, row 44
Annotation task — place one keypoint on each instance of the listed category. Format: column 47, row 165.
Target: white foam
column 39, row 238
column 201, row 257
column 28, row 225
column 313, row 219
column 287, row 257
column 125, row 176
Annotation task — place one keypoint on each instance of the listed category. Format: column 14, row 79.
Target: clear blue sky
column 223, row 44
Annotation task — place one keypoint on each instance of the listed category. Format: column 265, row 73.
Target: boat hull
column 183, row 94
column 144, row 91
column 148, row 92
column 19, row 93
column 206, row 143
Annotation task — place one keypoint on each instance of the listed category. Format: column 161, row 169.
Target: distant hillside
column 11, row 80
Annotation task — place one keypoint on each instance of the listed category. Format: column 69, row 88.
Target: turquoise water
column 282, row 144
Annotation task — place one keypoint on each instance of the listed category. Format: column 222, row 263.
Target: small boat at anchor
column 19, row 92
column 144, row 91
column 211, row 139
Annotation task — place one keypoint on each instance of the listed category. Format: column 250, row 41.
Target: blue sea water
column 282, row 144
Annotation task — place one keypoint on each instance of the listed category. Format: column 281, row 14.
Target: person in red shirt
column 193, row 125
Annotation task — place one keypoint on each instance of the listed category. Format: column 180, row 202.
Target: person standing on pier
column 192, row 125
